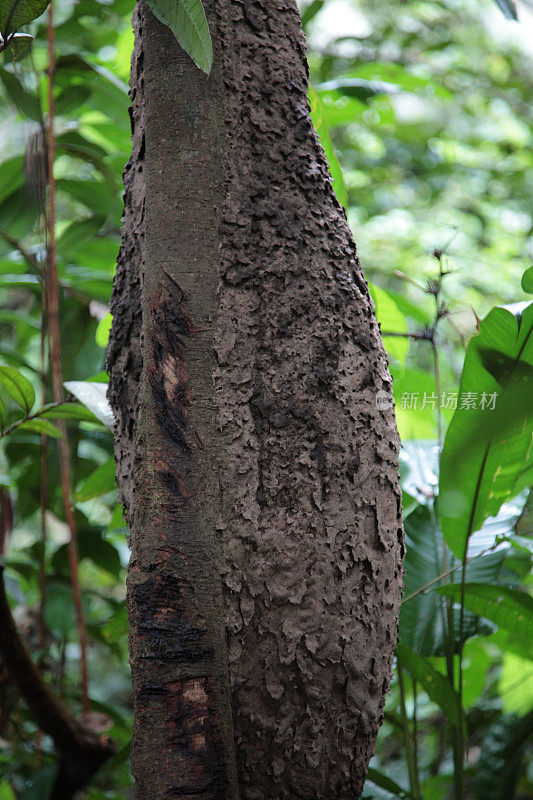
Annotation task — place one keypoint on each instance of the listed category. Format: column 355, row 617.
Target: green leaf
column 71, row 99
column 527, row 281
column 41, row 426
column 99, row 482
column 390, row 319
column 508, row 608
column 16, row 13
column 6, row 792
column 311, row 11
column 67, row 411
column 18, row 387
column 515, row 685
column 3, row 415
column 101, row 336
column 384, row 782
column 94, row 397
column 318, row 114
column 487, row 451
column 436, row 685
column 26, row 102
column 19, row 44
column 187, row 21
column 359, row 88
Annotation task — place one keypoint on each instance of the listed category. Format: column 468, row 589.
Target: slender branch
column 36, row 415
column 446, row 573
column 57, row 368
column 411, row 766
column 426, row 335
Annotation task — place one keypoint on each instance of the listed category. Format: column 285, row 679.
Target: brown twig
column 57, row 368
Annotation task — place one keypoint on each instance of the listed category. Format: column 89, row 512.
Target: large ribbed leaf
column 187, row 21
column 510, row 609
column 487, row 451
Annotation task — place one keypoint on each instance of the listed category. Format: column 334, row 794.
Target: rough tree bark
column 259, row 476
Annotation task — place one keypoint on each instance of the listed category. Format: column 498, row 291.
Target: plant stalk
column 57, row 368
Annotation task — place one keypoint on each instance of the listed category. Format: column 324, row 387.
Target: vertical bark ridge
column 311, row 518
column 161, row 363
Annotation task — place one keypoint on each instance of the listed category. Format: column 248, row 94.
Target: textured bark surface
column 251, row 453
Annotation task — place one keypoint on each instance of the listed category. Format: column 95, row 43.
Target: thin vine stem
column 57, row 368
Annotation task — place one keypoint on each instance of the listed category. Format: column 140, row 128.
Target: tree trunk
column 258, row 473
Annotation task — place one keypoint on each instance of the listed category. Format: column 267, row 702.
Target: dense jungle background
column 424, row 110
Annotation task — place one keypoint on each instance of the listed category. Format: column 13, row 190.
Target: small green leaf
column 99, row 482
column 29, row 104
column 39, row 426
column 187, row 21
column 18, row 387
column 101, row 335
column 67, row 411
column 16, row 13
column 436, row 685
column 527, row 281
column 19, row 44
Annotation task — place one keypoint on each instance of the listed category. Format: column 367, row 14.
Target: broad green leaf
column 25, row 101
column 67, row 411
column 16, row 13
column 319, row 117
column 527, row 281
column 516, row 684
column 508, row 608
column 187, row 21
column 436, row 685
column 18, row 387
column 94, row 397
column 12, row 177
column 99, row 482
column 39, row 426
column 3, row 415
column 71, row 99
column 487, row 450
column 390, row 319
column 6, row 792
column 19, row 45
